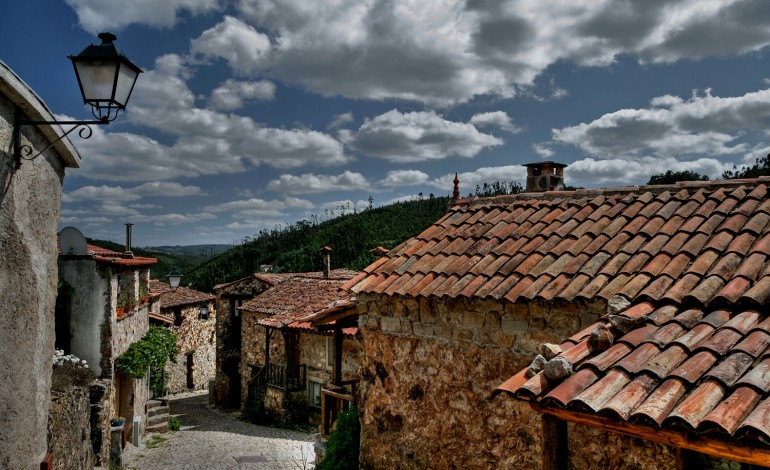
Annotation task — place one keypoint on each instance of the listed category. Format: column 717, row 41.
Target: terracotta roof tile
column 676, row 266
column 601, row 391
column 634, row 362
column 660, row 402
column 729, row 414
column 630, row 397
column 758, row 377
column 637, row 243
column 693, row 368
column 662, row 364
column 755, row 343
column 697, row 404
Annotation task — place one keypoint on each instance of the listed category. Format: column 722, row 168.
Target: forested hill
column 295, row 248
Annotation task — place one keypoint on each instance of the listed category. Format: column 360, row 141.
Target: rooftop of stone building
column 170, row 297
column 301, row 295
column 692, row 242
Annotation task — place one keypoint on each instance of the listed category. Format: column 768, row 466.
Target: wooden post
column 267, row 345
column 287, row 352
column 686, row 459
column 555, row 448
column 337, row 379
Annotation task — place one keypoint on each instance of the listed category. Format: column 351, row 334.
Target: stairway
column 157, row 416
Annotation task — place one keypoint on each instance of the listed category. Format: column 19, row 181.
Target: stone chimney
column 326, row 253
column 545, row 176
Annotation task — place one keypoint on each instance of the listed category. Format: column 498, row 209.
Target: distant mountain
column 295, row 248
column 166, row 261
column 192, row 251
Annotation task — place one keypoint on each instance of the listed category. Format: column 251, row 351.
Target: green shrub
column 342, row 447
column 173, row 423
column 255, row 413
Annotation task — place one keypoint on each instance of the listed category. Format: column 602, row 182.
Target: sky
column 253, row 114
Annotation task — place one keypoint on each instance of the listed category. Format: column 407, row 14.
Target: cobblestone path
column 212, row 439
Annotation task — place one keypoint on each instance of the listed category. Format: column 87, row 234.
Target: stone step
column 155, row 403
column 158, row 410
column 157, row 419
column 159, row 427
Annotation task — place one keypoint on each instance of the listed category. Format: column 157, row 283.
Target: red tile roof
column 181, row 296
column 104, row 255
column 703, row 370
column 699, row 242
column 303, row 294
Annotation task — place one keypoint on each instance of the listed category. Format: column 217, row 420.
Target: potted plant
column 119, row 421
column 144, row 294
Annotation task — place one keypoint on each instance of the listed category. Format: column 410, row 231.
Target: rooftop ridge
column 585, row 193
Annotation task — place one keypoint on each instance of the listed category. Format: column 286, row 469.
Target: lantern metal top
column 106, row 77
column 174, row 278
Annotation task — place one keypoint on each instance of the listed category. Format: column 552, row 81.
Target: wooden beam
column 338, row 338
column 740, row 451
column 555, row 447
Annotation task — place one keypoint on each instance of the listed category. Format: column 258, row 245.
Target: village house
column 104, row 305
column 230, row 366
column 300, row 337
column 449, row 315
column 30, row 197
column 191, row 314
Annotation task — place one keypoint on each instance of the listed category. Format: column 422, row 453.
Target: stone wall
column 29, row 209
column 197, row 337
column 429, row 369
column 70, row 430
column 226, row 350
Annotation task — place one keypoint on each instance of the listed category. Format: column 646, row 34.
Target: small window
column 329, row 352
column 313, row 392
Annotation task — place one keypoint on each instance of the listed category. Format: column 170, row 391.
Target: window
column 329, row 352
column 314, row 392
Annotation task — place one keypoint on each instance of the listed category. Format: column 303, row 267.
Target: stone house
column 450, row 314
column 181, row 310
column 230, row 365
column 30, row 199
column 102, row 308
column 291, row 360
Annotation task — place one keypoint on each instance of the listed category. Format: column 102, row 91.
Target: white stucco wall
column 29, row 209
column 89, row 308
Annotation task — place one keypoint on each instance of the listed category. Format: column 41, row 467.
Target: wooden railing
column 257, row 386
column 287, row 378
column 335, row 400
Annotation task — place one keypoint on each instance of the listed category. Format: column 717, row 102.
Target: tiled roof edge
column 616, row 190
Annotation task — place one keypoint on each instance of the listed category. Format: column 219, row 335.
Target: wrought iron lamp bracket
column 25, row 151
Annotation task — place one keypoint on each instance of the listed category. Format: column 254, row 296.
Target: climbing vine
column 151, row 352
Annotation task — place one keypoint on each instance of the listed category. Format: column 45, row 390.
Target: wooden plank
column 740, row 451
column 338, row 338
column 555, row 447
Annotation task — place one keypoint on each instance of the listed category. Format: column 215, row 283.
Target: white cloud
column 620, row 172
column 398, row 178
column 242, row 46
column 499, row 119
column 542, row 149
column 416, row 137
column 232, row 94
column 702, row 125
column 443, row 53
column 206, row 142
column 255, row 207
column 340, row 120
column 98, row 15
column 310, row 183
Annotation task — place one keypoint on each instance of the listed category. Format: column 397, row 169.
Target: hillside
column 166, row 261
column 295, row 248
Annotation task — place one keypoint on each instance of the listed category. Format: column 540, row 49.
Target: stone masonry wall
column 429, row 369
column 70, row 430
column 197, row 337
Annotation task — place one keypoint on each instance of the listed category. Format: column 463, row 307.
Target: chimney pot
column 327, row 261
column 545, row 176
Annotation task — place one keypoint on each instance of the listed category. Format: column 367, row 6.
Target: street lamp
column 106, row 78
column 203, row 311
column 174, row 277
